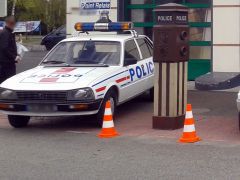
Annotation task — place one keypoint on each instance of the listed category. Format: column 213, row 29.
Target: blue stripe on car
column 109, row 78
column 100, row 95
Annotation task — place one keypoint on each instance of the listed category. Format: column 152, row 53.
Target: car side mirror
column 130, row 61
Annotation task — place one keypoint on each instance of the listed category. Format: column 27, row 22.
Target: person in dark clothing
column 8, row 50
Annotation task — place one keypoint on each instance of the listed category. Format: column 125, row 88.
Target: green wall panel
column 197, row 67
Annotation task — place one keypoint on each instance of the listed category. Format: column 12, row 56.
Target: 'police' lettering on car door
column 141, row 71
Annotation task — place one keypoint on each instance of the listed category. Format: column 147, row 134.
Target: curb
column 218, row 81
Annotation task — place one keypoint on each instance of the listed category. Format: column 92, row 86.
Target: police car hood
column 56, row 78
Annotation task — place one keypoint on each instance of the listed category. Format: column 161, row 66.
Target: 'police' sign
column 172, row 18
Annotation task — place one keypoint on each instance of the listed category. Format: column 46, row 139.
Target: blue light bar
column 113, row 26
column 88, row 26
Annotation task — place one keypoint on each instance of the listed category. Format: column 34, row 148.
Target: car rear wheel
column 112, row 97
column 18, row 121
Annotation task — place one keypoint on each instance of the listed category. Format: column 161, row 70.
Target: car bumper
column 50, row 109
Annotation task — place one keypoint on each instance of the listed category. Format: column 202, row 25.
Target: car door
column 146, row 49
column 136, row 71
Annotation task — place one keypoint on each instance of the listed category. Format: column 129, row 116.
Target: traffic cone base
column 189, row 138
column 108, row 130
column 189, row 132
column 108, row 133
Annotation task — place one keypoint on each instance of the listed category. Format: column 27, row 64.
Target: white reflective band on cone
column 108, row 124
column 189, row 115
column 189, row 128
column 108, row 111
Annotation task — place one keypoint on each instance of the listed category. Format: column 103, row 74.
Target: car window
column 145, row 48
column 85, row 52
column 76, row 48
column 131, row 50
column 150, row 45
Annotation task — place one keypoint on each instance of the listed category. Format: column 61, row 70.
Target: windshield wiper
column 103, row 65
column 55, row 62
column 90, row 65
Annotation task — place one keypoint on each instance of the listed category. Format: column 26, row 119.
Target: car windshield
column 81, row 53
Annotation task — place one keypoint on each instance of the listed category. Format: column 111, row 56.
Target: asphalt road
column 68, row 149
column 42, row 154
column 31, row 59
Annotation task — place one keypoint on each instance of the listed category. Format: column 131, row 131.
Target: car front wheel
column 18, row 121
column 112, row 97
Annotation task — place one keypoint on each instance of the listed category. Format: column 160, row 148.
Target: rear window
column 131, row 50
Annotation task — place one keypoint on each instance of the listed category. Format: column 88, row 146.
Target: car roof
column 102, row 37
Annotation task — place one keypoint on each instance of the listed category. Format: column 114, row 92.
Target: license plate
column 41, row 108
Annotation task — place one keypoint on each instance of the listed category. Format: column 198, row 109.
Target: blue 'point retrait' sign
column 94, row 6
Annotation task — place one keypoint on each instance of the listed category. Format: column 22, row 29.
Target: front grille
column 41, row 96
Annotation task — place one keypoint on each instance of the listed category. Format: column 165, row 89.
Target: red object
column 63, row 70
column 49, row 80
column 101, row 89
column 122, row 79
column 108, row 130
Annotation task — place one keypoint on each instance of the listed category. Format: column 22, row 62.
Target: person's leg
column 2, row 73
column 11, row 70
column 7, row 71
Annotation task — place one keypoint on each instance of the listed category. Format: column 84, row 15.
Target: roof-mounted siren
column 107, row 27
column 104, row 17
column 103, row 24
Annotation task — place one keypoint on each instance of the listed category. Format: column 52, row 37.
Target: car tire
column 150, row 95
column 112, row 96
column 18, row 121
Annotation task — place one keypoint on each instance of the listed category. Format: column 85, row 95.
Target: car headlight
column 81, row 94
column 239, row 95
column 7, row 94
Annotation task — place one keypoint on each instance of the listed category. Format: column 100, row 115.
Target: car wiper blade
column 54, row 62
column 103, row 65
column 90, row 65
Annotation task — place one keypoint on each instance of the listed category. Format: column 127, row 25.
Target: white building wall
column 226, row 35
column 3, row 8
column 73, row 15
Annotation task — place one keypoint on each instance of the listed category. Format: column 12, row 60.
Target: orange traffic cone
column 189, row 132
column 108, row 130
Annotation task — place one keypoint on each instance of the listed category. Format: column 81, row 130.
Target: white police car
column 80, row 74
